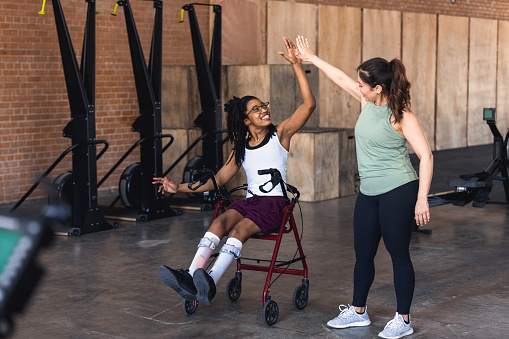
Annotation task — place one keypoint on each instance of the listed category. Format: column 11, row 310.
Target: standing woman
column 391, row 193
column 257, row 144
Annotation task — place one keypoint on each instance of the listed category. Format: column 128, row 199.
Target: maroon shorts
column 265, row 212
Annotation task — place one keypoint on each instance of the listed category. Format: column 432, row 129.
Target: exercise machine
column 476, row 187
column 135, row 186
column 78, row 189
column 209, row 84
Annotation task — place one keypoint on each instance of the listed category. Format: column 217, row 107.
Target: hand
column 304, row 52
column 167, row 185
column 422, row 211
column 292, row 51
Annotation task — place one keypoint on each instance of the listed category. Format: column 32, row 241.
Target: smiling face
column 258, row 114
column 369, row 93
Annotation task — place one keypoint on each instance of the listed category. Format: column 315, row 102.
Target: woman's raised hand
column 304, row 52
column 167, row 185
column 292, row 51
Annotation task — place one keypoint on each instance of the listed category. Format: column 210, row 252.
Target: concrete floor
column 105, row 284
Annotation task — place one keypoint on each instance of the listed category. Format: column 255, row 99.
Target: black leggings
column 389, row 215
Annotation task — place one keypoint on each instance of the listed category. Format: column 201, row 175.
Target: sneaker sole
column 356, row 324
column 202, row 287
column 410, row 331
column 169, row 280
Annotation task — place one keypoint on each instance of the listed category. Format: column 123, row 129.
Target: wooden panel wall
column 240, row 81
column 313, row 164
column 194, row 97
column 288, row 19
column 326, row 163
column 192, row 135
column 339, row 33
column 177, row 148
column 348, row 172
column 482, row 78
column 180, row 102
column 452, row 81
column 248, row 80
column 282, row 92
column 244, row 29
column 175, row 97
column 456, row 66
column 285, row 94
column 301, row 165
column 313, row 75
column 503, row 77
column 381, row 35
column 419, row 56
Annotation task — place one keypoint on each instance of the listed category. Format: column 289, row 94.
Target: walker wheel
column 270, row 312
column 234, row 288
column 300, row 297
column 189, row 306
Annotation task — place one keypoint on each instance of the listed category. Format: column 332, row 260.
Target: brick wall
column 33, row 98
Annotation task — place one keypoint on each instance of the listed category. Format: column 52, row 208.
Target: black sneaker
column 181, row 281
column 205, row 286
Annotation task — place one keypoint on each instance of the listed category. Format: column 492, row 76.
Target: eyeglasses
column 258, row 109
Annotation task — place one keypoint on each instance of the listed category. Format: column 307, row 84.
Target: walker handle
column 275, row 178
column 207, row 174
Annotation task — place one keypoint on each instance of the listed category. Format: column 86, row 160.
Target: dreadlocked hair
column 238, row 133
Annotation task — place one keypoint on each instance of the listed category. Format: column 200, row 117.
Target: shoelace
column 395, row 323
column 345, row 312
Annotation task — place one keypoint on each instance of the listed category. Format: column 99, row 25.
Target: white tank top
column 269, row 154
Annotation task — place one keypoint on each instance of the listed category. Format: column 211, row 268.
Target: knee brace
column 206, row 242
column 230, row 249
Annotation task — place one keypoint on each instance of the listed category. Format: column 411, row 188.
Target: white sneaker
column 348, row 317
column 397, row 328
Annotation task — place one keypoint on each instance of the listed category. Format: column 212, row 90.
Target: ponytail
column 391, row 76
column 399, row 95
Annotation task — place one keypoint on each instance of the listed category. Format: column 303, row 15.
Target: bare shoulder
column 407, row 112
column 408, row 118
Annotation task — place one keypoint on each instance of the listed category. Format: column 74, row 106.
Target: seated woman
column 257, row 144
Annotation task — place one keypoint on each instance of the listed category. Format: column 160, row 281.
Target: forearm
column 184, row 187
column 305, row 89
column 223, row 176
column 336, row 75
column 425, row 175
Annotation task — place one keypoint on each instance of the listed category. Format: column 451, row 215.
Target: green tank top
column 382, row 156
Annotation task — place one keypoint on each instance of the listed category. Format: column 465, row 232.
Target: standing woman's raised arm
column 335, row 74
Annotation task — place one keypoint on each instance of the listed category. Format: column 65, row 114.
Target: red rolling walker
column 234, row 287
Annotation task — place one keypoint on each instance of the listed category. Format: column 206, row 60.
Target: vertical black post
column 86, row 215
column 215, row 65
column 501, row 162
column 148, row 87
column 209, row 85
